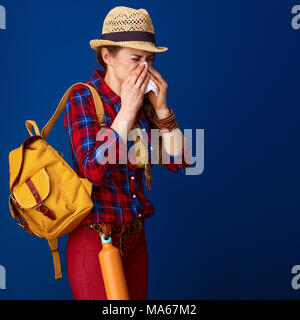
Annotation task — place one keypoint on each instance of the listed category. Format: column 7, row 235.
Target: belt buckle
column 94, row 226
column 139, row 226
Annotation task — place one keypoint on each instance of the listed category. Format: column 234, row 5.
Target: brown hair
column 148, row 107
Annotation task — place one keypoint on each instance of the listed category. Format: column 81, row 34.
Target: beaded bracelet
column 169, row 123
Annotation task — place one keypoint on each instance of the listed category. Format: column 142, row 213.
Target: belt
column 107, row 228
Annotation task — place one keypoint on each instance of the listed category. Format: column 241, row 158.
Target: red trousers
column 84, row 270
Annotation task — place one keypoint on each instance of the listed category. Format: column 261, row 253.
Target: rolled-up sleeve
column 97, row 149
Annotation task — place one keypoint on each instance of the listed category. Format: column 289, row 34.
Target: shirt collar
column 103, row 88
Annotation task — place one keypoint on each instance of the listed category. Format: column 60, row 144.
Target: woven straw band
column 129, row 36
column 169, row 123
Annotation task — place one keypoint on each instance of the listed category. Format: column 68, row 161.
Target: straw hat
column 128, row 27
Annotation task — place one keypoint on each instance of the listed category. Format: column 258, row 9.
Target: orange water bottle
column 112, row 271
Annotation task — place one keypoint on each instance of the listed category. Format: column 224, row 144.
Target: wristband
column 169, row 123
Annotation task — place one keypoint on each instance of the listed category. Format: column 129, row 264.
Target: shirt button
column 151, row 148
column 139, row 215
column 132, row 177
column 134, row 196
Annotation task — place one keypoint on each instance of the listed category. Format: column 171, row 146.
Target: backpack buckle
column 45, row 211
column 15, row 202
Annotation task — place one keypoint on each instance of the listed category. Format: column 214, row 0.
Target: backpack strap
column 53, row 244
column 98, row 106
column 31, row 123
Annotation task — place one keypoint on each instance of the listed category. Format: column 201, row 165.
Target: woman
column 120, row 205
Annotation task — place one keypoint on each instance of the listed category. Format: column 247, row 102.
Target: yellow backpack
column 47, row 197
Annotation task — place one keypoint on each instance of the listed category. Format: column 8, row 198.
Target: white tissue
column 151, row 85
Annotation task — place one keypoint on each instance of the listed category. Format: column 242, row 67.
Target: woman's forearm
column 173, row 141
column 123, row 118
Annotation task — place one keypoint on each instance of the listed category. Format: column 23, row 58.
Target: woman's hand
column 160, row 102
column 133, row 90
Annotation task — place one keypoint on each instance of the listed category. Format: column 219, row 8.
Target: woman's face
column 128, row 59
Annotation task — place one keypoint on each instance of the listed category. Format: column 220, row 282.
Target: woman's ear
column 105, row 55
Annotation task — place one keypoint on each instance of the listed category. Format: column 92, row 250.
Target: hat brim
column 140, row 45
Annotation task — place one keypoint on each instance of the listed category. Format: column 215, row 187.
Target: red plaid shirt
column 117, row 192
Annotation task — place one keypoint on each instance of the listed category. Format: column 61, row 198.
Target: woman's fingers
column 154, row 79
column 141, row 78
column 156, row 74
column 144, row 84
column 134, row 75
column 160, row 82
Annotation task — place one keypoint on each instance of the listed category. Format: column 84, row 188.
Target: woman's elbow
column 97, row 174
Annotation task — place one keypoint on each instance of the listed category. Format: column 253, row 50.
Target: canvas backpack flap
column 25, row 197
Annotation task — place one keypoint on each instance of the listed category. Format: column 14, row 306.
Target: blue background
column 232, row 69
